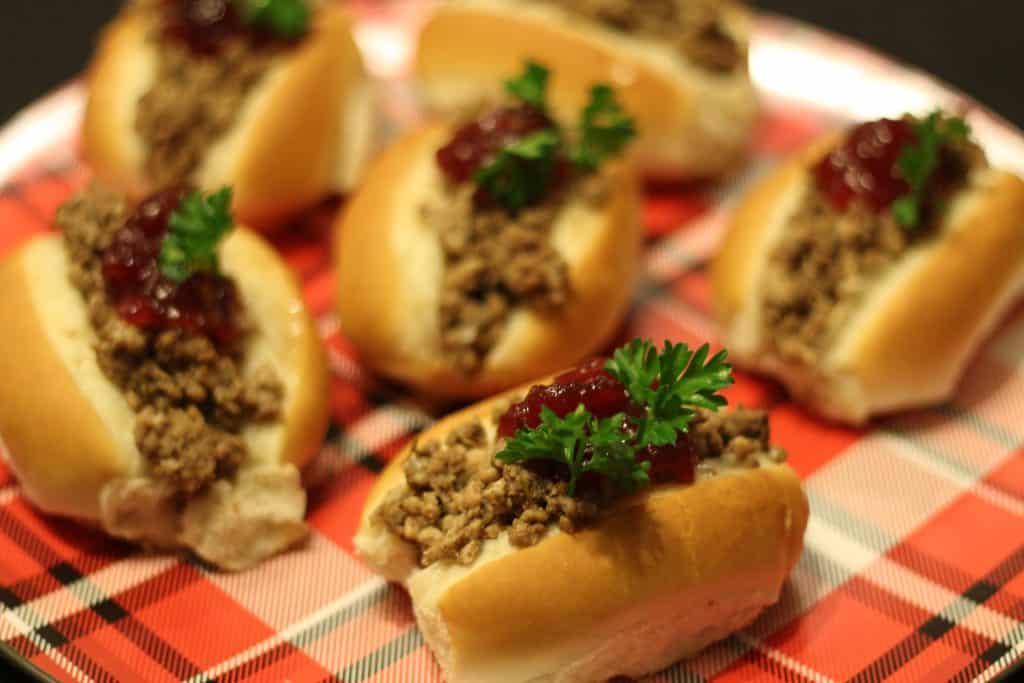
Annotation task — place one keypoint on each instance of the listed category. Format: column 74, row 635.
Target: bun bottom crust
column 655, row 579
column 390, row 269
column 69, row 431
column 691, row 123
column 911, row 335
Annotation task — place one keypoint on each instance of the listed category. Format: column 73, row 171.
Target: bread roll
column 69, row 430
column 911, row 333
column 305, row 129
column 692, row 121
column 390, row 267
column 654, row 579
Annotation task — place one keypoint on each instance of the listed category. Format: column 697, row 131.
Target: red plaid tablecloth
column 914, row 560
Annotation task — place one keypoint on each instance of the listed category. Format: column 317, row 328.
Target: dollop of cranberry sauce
column 206, row 303
column 478, row 142
column 864, row 166
column 204, row 25
column 603, row 395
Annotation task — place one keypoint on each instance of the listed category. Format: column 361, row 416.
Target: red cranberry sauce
column 206, row 303
column 603, row 395
column 865, row 166
column 204, row 25
column 478, row 142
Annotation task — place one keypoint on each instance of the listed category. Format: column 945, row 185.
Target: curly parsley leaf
column 613, row 455
column 918, row 162
column 521, row 173
column 287, row 18
column 195, row 229
column 605, row 128
column 531, row 87
column 668, row 385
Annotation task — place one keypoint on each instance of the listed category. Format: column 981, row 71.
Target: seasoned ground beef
column 693, row 26
column 193, row 101
column 456, row 495
column 189, row 396
column 495, row 262
column 817, row 273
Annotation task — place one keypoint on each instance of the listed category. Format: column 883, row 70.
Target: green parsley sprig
column 532, row 86
column 519, row 175
column 918, row 162
column 669, row 385
column 288, row 19
column 605, row 128
column 666, row 385
column 195, row 229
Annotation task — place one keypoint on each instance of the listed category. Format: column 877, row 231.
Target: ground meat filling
column 694, row 27
column 194, row 100
column 815, row 277
column 190, row 397
column 494, row 262
column 456, row 495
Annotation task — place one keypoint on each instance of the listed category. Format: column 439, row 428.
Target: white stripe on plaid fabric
column 936, row 462
column 783, row 659
column 307, row 631
column 89, row 591
column 9, row 493
column 382, row 658
column 21, row 628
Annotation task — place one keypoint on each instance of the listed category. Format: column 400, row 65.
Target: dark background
column 976, row 45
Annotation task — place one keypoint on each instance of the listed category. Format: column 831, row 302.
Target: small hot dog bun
column 692, row 122
column 69, row 431
column 654, row 579
column 390, row 267
column 912, row 333
column 304, row 131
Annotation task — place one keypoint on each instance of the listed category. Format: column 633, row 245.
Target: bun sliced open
column 692, row 121
column 653, row 579
column 911, row 334
column 390, row 266
column 304, row 131
column 69, row 431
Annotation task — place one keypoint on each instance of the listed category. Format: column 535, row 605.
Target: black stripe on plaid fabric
column 382, row 657
column 312, row 632
column 119, row 611
column 778, row 670
column 360, row 455
column 985, row 650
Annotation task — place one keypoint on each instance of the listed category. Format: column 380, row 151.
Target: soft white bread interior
column 390, row 266
column 654, row 579
column 691, row 122
column 304, row 131
column 914, row 330
column 69, row 431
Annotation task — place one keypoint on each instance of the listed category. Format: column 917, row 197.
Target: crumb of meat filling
column 494, row 263
column 193, row 102
column 190, row 397
column 456, row 496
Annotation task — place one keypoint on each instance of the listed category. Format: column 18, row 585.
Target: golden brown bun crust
column 737, row 532
column 690, row 122
column 286, row 151
column 911, row 336
column 376, row 284
column 62, row 449
column 67, row 466
column 937, row 316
